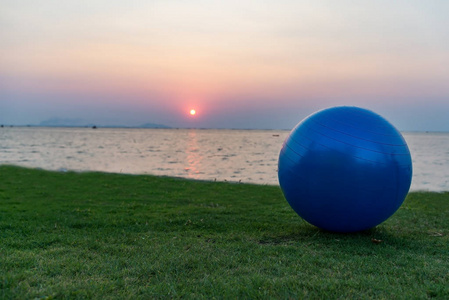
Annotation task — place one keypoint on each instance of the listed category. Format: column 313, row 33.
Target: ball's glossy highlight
column 345, row 169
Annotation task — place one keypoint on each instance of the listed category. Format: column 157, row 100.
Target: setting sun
column 192, row 112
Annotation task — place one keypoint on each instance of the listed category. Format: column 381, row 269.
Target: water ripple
column 231, row 155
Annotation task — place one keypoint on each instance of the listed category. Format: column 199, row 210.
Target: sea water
column 225, row 155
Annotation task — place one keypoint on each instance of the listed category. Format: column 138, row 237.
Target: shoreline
column 64, row 170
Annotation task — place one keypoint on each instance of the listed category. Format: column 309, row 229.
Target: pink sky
column 240, row 64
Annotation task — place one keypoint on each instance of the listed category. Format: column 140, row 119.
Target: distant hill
column 62, row 122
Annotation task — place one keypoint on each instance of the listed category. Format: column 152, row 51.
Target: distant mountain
column 152, row 125
column 63, row 122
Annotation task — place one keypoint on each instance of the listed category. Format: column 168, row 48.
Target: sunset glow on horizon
column 250, row 64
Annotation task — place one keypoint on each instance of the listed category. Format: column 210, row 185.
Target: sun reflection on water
column 194, row 157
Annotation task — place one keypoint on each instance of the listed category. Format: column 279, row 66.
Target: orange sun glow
column 192, row 112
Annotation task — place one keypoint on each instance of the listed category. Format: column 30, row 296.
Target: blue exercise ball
column 345, row 169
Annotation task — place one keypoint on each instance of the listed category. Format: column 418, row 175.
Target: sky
column 240, row 64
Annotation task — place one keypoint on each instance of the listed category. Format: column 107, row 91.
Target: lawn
column 106, row 236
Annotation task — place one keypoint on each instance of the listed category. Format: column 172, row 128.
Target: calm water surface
column 232, row 155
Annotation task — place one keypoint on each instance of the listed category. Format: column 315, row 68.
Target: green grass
column 103, row 236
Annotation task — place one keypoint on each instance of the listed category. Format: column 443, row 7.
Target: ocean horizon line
column 92, row 126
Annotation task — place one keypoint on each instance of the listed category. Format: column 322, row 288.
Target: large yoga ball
column 345, row 169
